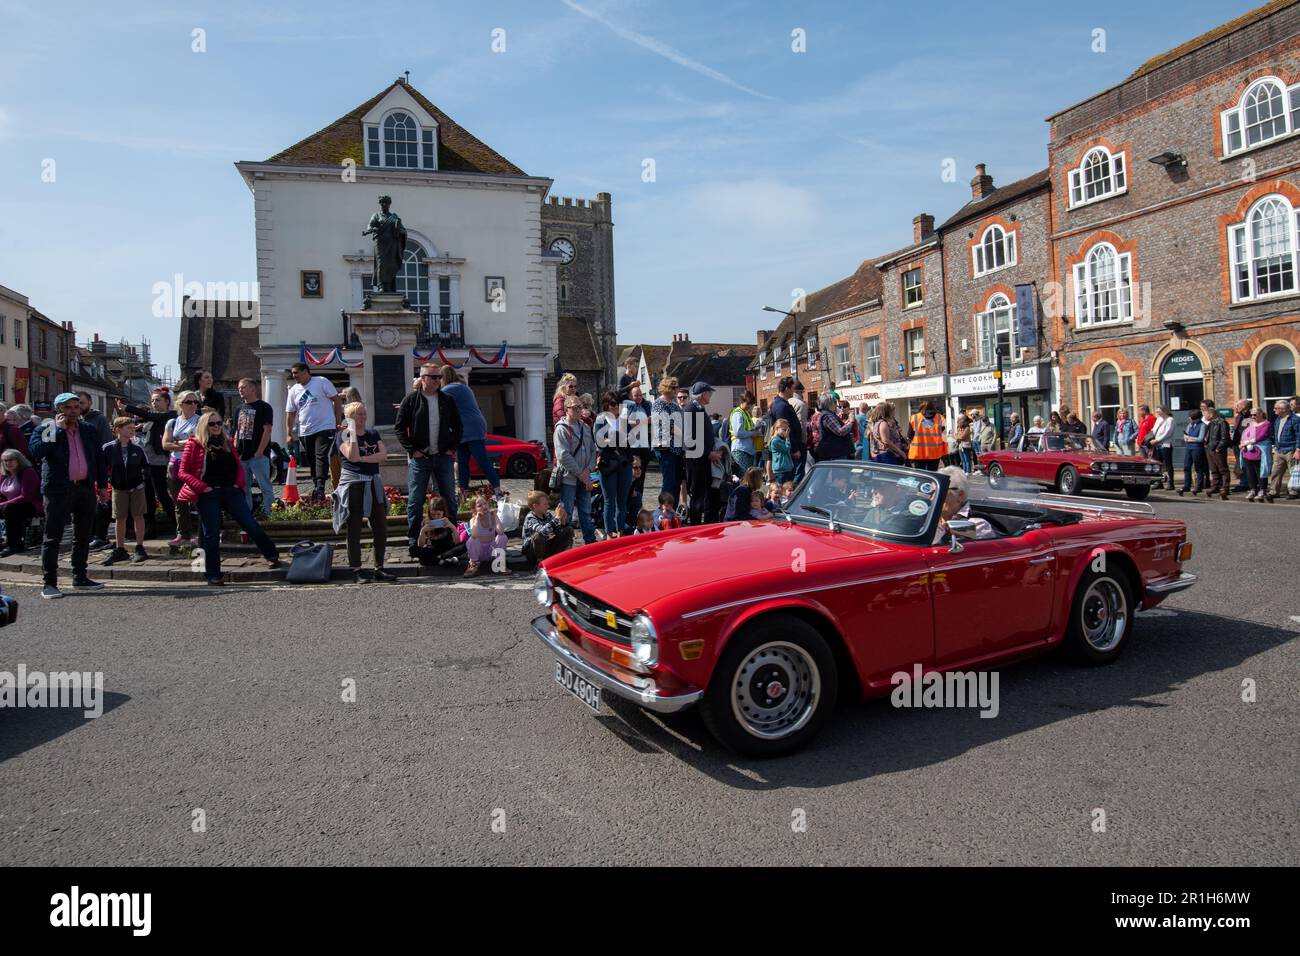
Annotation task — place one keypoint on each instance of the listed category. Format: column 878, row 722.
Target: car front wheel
column 520, row 466
column 1101, row 618
column 1067, row 482
column 1137, row 492
column 773, row 689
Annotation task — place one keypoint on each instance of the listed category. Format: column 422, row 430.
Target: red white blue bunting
column 502, row 357
column 333, row 355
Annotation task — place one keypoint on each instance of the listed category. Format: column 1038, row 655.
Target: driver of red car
column 956, row 506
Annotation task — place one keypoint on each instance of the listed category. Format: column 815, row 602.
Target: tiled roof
column 655, row 356
column 458, row 150
column 720, row 370
column 1000, row 196
column 577, row 348
column 1231, row 26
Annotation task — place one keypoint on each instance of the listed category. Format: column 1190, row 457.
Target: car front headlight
column 645, row 641
column 542, row 589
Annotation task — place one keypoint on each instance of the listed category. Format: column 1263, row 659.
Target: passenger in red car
column 956, row 506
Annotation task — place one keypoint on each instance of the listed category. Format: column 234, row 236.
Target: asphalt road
column 230, row 702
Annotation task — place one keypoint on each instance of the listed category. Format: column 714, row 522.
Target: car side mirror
column 961, row 529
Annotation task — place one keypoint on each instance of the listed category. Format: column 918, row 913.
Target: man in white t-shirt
column 315, row 409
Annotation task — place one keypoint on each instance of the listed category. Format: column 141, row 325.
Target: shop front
column 1026, row 392
column 1182, row 389
column 910, row 394
column 856, row 395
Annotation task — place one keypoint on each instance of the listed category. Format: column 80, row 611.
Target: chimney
column 922, row 227
column 684, row 338
column 763, row 336
column 982, row 184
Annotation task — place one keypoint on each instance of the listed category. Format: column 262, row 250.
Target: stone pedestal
column 387, row 330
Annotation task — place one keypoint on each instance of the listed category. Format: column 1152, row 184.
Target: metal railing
column 445, row 329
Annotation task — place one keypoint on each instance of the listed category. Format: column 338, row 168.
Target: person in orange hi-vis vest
column 925, row 433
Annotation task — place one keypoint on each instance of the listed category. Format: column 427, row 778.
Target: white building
column 15, row 373
column 474, row 225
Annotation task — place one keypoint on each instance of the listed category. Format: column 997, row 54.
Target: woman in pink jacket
column 1258, row 430
column 213, row 479
column 20, row 499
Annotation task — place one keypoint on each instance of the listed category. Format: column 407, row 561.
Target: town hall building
column 475, row 266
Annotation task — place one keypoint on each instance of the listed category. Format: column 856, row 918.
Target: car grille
column 1127, row 468
column 594, row 615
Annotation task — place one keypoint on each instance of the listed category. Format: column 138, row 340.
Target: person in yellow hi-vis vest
column 927, row 443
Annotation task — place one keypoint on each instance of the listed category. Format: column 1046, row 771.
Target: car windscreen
column 888, row 502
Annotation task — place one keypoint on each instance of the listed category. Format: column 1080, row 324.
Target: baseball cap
column 64, row 397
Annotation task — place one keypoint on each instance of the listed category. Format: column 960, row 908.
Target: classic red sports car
column 1064, row 462
column 763, row 624
column 513, row 457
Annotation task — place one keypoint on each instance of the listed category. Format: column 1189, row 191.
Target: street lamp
column 795, row 366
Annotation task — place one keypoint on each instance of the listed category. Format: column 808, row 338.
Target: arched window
column 1103, row 286
column 413, row 279
column 1106, row 388
column 1276, row 376
column 995, row 250
column 1263, row 250
column 401, row 138
column 1268, row 109
column 1100, row 175
column 997, row 330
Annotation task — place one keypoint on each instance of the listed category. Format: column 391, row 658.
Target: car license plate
column 1136, row 481
column 584, row 690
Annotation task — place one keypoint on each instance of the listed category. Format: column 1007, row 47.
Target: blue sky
column 774, row 169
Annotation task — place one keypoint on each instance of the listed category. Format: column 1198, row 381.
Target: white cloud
column 765, row 206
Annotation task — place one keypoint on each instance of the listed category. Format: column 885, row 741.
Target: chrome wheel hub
column 1104, row 615
column 775, row 690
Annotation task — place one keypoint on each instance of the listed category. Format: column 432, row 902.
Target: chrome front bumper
column 1171, row 585
column 646, row 694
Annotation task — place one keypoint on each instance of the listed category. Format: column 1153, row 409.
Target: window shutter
column 372, row 145
column 1076, row 192
column 1117, row 162
column 1081, row 293
column 1293, row 101
column 427, row 141
column 1232, row 130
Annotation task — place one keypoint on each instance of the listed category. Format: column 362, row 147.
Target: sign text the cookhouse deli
column 1017, row 378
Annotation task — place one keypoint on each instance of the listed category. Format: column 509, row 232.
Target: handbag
column 311, row 563
column 1293, row 481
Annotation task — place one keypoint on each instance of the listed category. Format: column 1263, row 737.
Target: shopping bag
column 508, row 514
column 311, row 563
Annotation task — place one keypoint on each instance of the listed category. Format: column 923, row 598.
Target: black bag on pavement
column 312, row 563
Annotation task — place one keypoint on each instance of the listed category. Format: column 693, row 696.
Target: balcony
column 442, row 330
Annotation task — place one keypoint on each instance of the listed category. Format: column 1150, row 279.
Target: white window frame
column 1265, row 400
column 1114, row 181
column 984, row 254
column 867, row 359
column 18, row 333
column 1243, row 245
column 1087, row 291
column 920, row 287
column 811, row 360
column 842, row 364
column 376, row 143
column 1235, row 122
column 913, row 346
column 1000, row 309
column 762, row 369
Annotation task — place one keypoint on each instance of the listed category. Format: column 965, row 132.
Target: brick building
column 848, row 316
column 914, row 328
column 49, row 355
column 1175, row 202
column 778, row 354
column 997, row 241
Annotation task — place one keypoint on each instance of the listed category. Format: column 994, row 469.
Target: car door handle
column 1042, row 560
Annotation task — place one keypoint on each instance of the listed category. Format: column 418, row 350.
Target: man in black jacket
column 781, row 408
column 1217, row 437
column 72, row 474
column 700, row 455
column 97, row 420
column 128, row 470
column 428, row 426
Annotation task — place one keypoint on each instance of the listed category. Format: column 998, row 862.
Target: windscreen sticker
column 918, row 508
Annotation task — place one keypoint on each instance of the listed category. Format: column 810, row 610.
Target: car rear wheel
column 996, row 477
column 1101, row 618
column 773, row 689
column 520, row 466
column 1067, row 480
column 1137, row 492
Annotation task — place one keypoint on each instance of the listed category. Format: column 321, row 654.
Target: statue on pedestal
column 390, row 246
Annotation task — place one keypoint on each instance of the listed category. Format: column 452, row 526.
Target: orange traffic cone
column 290, row 496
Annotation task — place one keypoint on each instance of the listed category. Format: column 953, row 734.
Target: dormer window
column 399, row 142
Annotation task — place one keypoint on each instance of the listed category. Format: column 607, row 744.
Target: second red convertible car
column 513, row 457
column 763, row 624
column 1065, row 463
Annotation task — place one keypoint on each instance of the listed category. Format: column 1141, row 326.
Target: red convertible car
column 764, row 624
column 1064, row 462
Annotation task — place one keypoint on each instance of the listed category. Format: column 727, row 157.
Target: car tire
column 781, row 650
column 520, row 466
column 1101, row 618
column 1138, row 492
column 996, row 476
column 1067, row 480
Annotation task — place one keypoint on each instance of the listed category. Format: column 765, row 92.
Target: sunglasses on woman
column 215, row 424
